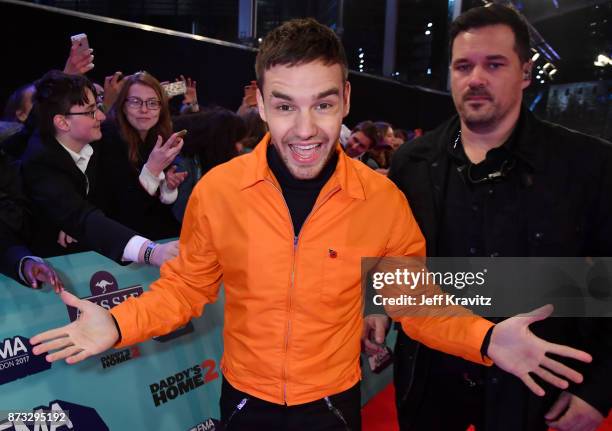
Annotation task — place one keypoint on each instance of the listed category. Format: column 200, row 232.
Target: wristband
column 149, row 252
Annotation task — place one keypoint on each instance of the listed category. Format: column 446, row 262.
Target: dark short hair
column 56, row 93
column 368, row 128
column 494, row 14
column 15, row 103
column 213, row 135
column 297, row 42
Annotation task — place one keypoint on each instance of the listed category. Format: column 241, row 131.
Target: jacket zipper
column 296, row 240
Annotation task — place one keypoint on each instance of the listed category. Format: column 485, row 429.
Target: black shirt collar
column 517, row 146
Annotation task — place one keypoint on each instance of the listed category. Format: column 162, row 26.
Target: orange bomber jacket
column 293, row 306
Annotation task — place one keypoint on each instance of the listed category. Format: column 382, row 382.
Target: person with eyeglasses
column 62, row 177
column 140, row 151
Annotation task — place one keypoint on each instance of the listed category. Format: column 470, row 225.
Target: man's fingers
column 46, row 336
column 558, row 407
column 549, row 377
column 43, row 273
column 55, row 344
column 532, row 385
column 370, row 347
column 172, row 170
column 72, row 300
column 561, row 369
column 538, row 314
column 569, row 352
column 58, row 285
column 29, row 275
column 379, row 332
column 63, row 354
column 78, row 357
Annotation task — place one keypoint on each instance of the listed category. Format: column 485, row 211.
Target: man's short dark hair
column 494, row 14
column 297, row 42
column 56, row 93
column 368, row 128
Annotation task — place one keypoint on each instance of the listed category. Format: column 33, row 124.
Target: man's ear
column 260, row 104
column 527, row 68
column 346, row 99
column 60, row 123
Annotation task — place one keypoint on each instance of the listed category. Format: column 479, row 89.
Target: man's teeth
column 303, row 149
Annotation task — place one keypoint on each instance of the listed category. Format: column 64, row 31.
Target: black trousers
column 447, row 405
column 241, row 411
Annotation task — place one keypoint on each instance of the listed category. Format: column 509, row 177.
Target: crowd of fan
column 108, row 167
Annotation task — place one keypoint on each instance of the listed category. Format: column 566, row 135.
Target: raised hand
column 164, row 153
column 112, row 86
column 191, row 95
column 515, row 349
column 79, row 61
column 92, row 333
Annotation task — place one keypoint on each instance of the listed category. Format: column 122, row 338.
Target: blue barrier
column 170, row 383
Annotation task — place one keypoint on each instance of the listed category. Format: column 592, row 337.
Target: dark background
column 38, row 40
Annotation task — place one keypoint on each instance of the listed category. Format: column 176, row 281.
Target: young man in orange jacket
column 285, row 228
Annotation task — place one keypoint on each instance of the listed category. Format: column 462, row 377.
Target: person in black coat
column 140, row 150
column 16, row 259
column 497, row 181
column 62, row 176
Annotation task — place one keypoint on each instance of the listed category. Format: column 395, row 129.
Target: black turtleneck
column 300, row 195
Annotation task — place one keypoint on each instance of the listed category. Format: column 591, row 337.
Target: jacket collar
column 527, row 143
column 345, row 176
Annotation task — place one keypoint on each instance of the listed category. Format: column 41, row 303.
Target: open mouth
column 305, row 153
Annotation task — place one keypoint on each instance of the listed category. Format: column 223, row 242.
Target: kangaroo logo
column 103, row 284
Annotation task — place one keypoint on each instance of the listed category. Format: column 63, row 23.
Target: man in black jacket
column 16, row 259
column 62, row 177
column 497, row 181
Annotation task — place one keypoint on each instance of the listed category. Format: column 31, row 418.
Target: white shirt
column 151, row 183
column 81, row 159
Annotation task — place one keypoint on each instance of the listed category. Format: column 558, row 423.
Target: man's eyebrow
column 491, row 57
column 497, row 57
column 280, row 95
column 331, row 92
